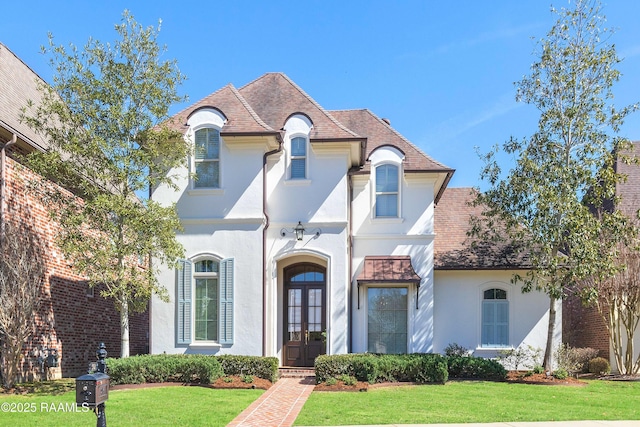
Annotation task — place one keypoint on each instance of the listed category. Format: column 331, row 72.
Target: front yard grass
column 474, row 402
column 168, row 406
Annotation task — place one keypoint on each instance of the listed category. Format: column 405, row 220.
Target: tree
column 21, row 291
column 542, row 202
column 104, row 117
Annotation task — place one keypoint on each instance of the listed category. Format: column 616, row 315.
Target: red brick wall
column 69, row 320
column 584, row 327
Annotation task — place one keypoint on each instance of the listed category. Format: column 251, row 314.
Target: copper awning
column 388, row 269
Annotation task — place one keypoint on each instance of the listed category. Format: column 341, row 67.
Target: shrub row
column 420, row 368
column 158, row 368
column 188, row 368
column 261, row 367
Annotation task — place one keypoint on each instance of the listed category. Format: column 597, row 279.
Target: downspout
column 350, row 255
column 3, row 177
column 264, row 243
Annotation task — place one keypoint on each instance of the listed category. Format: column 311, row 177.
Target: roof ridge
column 411, row 144
column 318, row 106
column 246, row 105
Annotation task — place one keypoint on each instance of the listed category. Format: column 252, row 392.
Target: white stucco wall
column 457, row 312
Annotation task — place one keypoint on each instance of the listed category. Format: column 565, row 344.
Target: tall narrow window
column 495, row 318
column 387, row 191
column 387, row 320
column 298, row 158
column 207, row 300
column 207, row 158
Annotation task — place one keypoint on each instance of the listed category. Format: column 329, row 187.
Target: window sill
column 297, row 182
column 205, row 344
column 205, row 191
column 387, row 220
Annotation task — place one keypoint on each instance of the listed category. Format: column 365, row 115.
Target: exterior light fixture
column 299, row 230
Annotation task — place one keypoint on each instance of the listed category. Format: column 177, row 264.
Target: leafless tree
column 22, row 275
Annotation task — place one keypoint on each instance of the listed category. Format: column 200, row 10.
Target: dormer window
column 207, row 158
column 387, row 191
column 298, row 158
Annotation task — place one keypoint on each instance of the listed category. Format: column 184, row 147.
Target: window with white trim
column 495, row 318
column 298, row 158
column 387, row 320
column 207, row 158
column 387, row 191
column 204, row 301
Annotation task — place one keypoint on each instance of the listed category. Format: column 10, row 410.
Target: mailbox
column 92, row 389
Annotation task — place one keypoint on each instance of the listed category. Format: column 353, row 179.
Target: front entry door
column 304, row 315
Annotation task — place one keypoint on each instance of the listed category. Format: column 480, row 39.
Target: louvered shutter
column 226, row 301
column 183, row 301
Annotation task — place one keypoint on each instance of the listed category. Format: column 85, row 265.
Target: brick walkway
column 278, row 406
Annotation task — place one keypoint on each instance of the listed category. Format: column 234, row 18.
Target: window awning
column 388, row 269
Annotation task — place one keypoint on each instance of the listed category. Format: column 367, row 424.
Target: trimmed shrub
column 575, row 359
column 455, row 349
column 261, row 367
column 599, row 366
column 560, row 374
column 469, row 367
column 421, row 368
column 147, row 368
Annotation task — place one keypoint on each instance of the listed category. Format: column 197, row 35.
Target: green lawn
column 169, row 406
column 479, row 402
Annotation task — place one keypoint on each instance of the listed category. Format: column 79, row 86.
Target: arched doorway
column 304, row 314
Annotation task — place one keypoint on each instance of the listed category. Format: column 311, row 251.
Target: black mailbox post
column 92, row 389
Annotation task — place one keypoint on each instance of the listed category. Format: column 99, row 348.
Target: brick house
column 73, row 319
column 583, row 326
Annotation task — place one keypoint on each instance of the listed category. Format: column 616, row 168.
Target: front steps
column 297, row 372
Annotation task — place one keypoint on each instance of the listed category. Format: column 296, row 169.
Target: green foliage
column 538, row 369
column 469, row 367
column 331, row 381
column 247, row 379
column 348, row 379
column 104, row 119
column 186, row 368
column 560, row 374
column 421, row 368
column 455, row 349
column 599, row 366
column 261, row 367
column 541, row 206
column 574, row 359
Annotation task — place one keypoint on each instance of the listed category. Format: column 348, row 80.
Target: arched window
column 495, row 318
column 207, row 158
column 387, row 191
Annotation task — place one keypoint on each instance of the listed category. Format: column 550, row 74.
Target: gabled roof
column 18, row 85
column 454, row 250
column 275, row 97
column 241, row 117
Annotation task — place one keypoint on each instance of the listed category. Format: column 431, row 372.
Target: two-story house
column 310, row 231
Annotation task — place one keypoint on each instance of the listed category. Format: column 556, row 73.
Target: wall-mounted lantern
column 299, row 230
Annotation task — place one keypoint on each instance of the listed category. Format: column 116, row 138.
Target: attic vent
column 387, row 121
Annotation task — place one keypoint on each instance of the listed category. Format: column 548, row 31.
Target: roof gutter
column 264, row 242
column 3, row 178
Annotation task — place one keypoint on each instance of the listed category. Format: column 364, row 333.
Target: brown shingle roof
column 454, row 250
column 241, row 118
column 389, row 268
column 18, row 85
column 379, row 133
column 275, row 97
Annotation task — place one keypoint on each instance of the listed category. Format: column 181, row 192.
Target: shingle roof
column 18, row 85
column 454, row 250
column 379, row 133
column 275, row 97
column 241, row 118
column 389, row 268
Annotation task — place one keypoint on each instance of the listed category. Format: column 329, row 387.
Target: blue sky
column 442, row 72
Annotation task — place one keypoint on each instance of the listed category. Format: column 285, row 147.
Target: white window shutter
column 226, row 301
column 183, row 302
